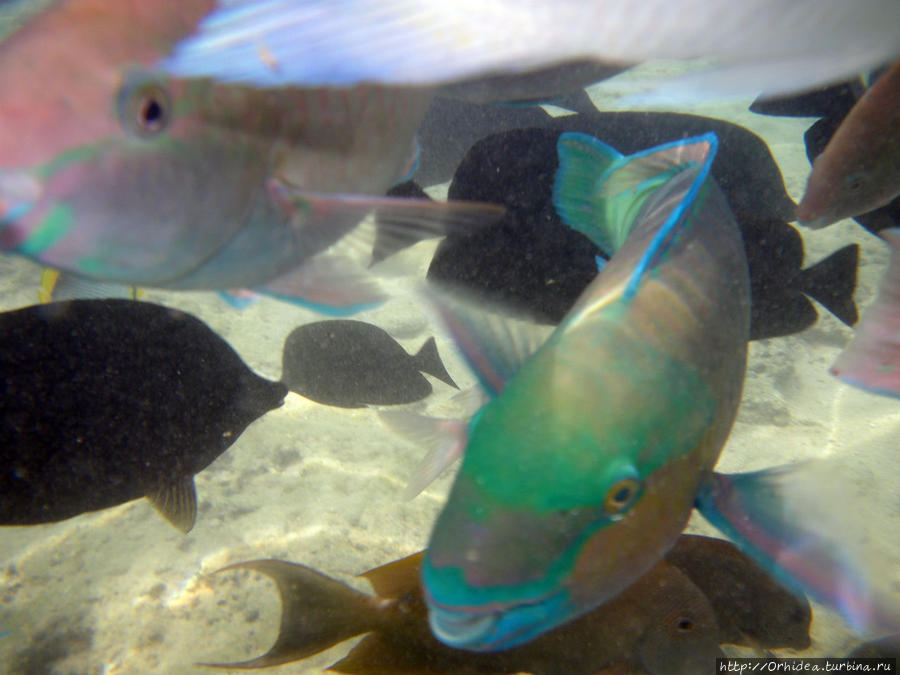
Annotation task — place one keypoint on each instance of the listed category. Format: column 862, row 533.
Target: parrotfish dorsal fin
column 177, row 503
column 689, row 163
column 396, row 578
column 799, row 523
column 494, row 345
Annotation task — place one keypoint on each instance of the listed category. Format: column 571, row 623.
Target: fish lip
column 486, row 621
column 19, row 192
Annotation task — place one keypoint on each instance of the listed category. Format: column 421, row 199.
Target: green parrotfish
column 584, row 466
column 114, row 171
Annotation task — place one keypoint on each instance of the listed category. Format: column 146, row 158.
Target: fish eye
column 854, row 182
column 621, row 495
column 684, row 624
column 144, row 106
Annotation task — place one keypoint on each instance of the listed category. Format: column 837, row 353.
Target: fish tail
column 317, row 612
column 872, row 359
column 832, row 282
column 428, row 360
column 584, row 161
column 802, row 524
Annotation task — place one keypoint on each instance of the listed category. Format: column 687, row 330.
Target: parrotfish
column 760, row 45
column 662, row 624
column 106, row 401
column 116, row 172
column 531, row 261
column 581, row 471
column 859, row 170
column 353, row 364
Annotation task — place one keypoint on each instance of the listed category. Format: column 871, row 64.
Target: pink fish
column 116, row 172
column 859, row 170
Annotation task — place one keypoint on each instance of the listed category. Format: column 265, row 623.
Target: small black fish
column 352, row 364
column 533, row 263
column 105, row 401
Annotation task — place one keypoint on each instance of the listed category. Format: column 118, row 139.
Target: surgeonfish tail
column 317, row 613
column 428, row 360
column 832, row 282
column 872, row 359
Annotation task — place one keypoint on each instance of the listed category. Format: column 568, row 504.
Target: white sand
column 121, row 592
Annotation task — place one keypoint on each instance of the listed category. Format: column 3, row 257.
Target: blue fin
column 584, row 162
column 796, row 523
column 686, row 165
column 601, row 262
column 495, row 346
column 239, row 299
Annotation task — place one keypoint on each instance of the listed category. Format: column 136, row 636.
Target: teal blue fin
column 799, row 523
column 494, row 345
column 666, row 206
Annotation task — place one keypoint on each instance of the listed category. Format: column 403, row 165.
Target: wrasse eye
column 621, row 495
column 144, row 106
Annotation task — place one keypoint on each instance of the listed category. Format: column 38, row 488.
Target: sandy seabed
column 121, row 592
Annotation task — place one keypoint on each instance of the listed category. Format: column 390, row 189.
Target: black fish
column 536, row 265
column 352, row 364
column 105, row 401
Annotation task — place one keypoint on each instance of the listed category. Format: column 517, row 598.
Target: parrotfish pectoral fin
column 177, row 503
column 330, row 284
column 445, row 440
column 240, row 298
column 800, row 524
column 317, row 612
column 57, row 286
column 494, row 345
column 872, row 359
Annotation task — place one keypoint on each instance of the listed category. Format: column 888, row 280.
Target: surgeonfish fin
column 177, row 503
column 396, row 579
column 872, row 359
column 317, row 612
column 444, row 439
column 494, row 345
column 428, row 360
column 768, row 45
column 832, row 282
column 797, row 522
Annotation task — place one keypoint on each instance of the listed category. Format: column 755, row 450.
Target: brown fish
column 859, row 170
column 662, row 624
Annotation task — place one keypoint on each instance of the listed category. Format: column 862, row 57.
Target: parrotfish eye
column 854, row 182
column 620, row 496
column 144, row 105
column 684, row 624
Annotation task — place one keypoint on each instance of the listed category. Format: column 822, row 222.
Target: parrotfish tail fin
column 872, row 359
column 796, row 523
column 317, row 613
column 584, row 162
column 428, row 360
column 681, row 168
column 58, row 286
column 387, row 242
column 494, row 345
column 832, row 282
column 177, row 503
column 397, row 578
column 444, row 439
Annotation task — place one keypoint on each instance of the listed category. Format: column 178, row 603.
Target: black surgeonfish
column 106, row 401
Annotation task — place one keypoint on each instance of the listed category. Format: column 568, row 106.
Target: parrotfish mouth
column 19, row 192
column 501, row 626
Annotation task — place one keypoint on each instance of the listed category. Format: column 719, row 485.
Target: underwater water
column 122, row 592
